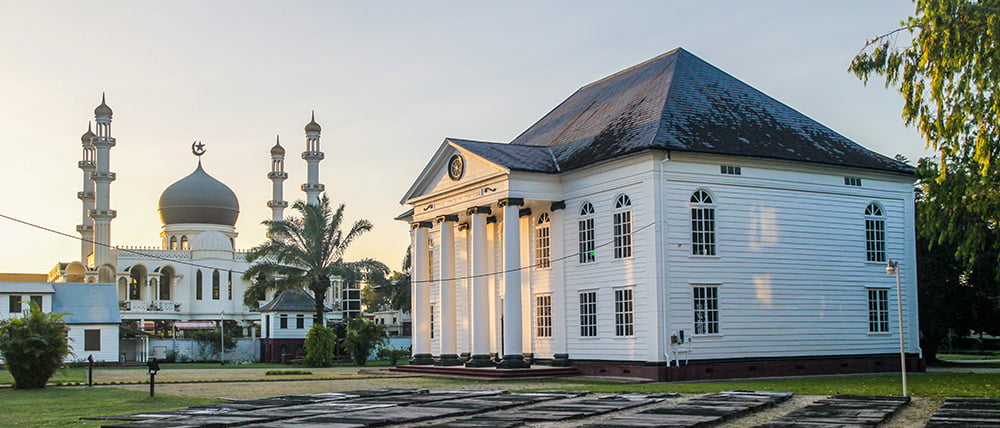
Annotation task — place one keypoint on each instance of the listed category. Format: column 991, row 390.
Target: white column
column 559, row 296
column 480, row 290
column 449, row 349
column 420, row 296
column 512, row 322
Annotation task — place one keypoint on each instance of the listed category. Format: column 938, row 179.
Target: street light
column 222, row 338
column 892, row 268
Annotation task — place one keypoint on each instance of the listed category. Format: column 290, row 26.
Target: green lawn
column 980, row 356
column 62, row 375
column 920, row 384
column 61, row 407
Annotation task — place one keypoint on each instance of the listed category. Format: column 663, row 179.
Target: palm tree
column 395, row 289
column 305, row 252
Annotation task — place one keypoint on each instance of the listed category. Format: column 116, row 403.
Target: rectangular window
column 283, row 321
column 37, row 300
column 703, row 231
column 623, row 234
column 91, row 340
column 543, row 315
column 134, row 290
column 706, row 309
column 587, row 241
column 300, row 321
column 878, row 310
column 542, row 245
column 430, row 259
column 731, row 170
column 623, row 312
column 432, row 321
column 588, row 314
column 852, row 181
column 875, row 239
column 15, row 305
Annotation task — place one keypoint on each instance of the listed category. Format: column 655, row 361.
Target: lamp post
column 892, row 268
column 222, row 338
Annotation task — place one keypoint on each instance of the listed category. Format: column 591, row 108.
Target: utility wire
column 154, row 256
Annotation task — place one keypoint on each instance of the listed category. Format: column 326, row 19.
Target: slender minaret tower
column 102, row 178
column 277, row 176
column 313, row 155
column 88, row 165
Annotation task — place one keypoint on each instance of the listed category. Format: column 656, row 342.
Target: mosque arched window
column 229, row 286
column 215, row 284
column 166, row 282
column 184, row 242
column 198, row 285
column 173, row 243
column 137, row 279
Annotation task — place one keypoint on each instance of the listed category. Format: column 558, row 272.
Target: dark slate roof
column 290, row 301
column 679, row 102
column 87, row 303
column 516, row 157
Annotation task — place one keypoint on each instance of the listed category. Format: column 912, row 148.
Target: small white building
column 286, row 320
column 670, row 222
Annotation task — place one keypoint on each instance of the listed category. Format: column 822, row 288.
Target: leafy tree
column 947, row 67
column 34, row 347
column 394, row 290
column 393, row 354
column 320, row 346
column 362, row 338
column 305, row 252
column 209, row 340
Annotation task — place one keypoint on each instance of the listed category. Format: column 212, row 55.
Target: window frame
column 702, row 325
column 588, row 313
column 730, row 170
column 624, row 306
column 622, row 227
column 586, row 234
column 37, row 299
column 703, row 224
column 283, row 321
column 875, row 233
column 543, row 242
column 91, row 343
column 199, row 285
column 543, row 316
column 878, row 316
column 216, row 285
column 14, row 304
column 300, row 321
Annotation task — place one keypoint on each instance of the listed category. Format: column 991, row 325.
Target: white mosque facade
column 195, row 273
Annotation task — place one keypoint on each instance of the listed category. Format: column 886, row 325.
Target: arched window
column 137, row 280
column 166, row 282
column 874, row 233
column 586, row 223
column 198, row 283
column 543, row 247
column 184, row 243
column 623, row 227
column 229, row 286
column 173, row 243
column 702, row 224
column 215, row 284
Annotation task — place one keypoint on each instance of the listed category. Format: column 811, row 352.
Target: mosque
column 195, row 274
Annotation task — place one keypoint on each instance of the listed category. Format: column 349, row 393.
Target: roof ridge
column 670, row 52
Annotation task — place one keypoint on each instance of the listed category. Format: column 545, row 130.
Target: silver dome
column 199, row 198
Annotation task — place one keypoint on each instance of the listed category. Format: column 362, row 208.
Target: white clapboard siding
column 109, row 342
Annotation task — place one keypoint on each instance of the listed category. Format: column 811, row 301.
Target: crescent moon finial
column 198, row 148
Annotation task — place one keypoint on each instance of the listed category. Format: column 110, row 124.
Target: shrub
column 393, row 354
column 320, row 343
column 362, row 338
column 33, row 347
column 208, row 341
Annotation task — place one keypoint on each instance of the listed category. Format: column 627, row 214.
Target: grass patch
column 287, row 372
column 920, row 385
column 61, row 376
column 61, row 407
column 978, row 356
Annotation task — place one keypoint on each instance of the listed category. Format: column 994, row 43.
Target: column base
column 515, row 361
column 448, row 360
column 560, row 360
column 480, row 361
column 464, row 356
column 422, row 360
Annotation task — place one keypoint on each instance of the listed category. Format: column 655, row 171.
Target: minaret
column 313, row 155
column 102, row 178
column 277, row 177
column 88, row 165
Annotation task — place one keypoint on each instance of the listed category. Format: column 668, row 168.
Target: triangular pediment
column 441, row 175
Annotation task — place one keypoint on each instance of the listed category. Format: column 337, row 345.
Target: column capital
column 463, row 226
column 418, row 224
column 524, row 212
column 517, row 202
column 479, row 210
column 491, row 219
column 558, row 205
column 443, row 218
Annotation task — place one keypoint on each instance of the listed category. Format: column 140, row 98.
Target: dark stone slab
column 194, row 422
column 699, row 411
column 842, row 411
column 967, row 412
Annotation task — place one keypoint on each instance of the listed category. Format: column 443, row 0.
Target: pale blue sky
column 388, row 80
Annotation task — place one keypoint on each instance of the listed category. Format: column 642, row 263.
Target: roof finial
column 313, row 116
column 277, row 139
column 198, row 148
column 88, row 127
